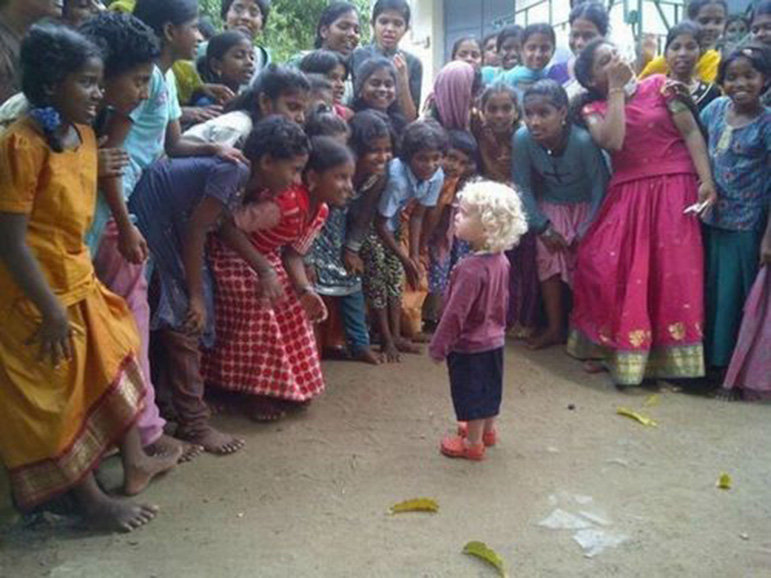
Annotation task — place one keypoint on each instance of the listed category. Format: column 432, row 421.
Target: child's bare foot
column 407, row 346
column 421, row 338
column 264, row 409
column 115, row 515
column 139, row 474
column 167, row 444
column 728, row 394
column 213, row 441
column 545, row 339
column 369, row 356
column 391, row 353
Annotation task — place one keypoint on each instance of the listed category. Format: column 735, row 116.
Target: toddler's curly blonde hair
column 500, row 211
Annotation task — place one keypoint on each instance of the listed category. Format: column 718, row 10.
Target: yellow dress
column 706, row 68
column 56, row 423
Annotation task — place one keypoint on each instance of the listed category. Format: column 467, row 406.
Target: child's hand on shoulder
column 219, row 92
column 111, row 161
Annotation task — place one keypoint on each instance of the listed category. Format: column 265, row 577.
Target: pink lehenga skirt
column 750, row 369
column 639, row 283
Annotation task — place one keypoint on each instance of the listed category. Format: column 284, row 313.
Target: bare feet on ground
column 138, row 475
column 369, row 356
column 723, row 394
column 391, row 353
column 407, row 346
column 545, row 339
column 116, row 515
column 214, row 442
column 265, row 409
column 166, row 444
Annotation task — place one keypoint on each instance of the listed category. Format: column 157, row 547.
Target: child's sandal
column 489, row 438
column 458, row 447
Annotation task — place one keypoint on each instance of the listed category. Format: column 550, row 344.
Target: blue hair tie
column 48, row 118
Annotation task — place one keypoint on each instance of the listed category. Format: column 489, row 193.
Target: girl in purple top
column 471, row 333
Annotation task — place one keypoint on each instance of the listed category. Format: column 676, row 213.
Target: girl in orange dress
column 70, row 385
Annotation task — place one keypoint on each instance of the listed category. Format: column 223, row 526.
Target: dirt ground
column 309, row 496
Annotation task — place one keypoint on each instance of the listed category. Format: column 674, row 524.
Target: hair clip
column 48, row 118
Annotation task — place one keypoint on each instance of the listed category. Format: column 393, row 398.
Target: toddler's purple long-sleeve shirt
column 474, row 318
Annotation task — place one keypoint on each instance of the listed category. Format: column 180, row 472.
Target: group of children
column 252, row 217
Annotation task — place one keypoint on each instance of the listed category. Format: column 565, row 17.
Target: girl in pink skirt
column 639, row 281
column 561, row 176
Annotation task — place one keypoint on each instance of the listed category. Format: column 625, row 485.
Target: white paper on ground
column 562, row 520
column 594, row 541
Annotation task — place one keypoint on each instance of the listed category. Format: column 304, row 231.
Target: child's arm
column 610, row 132
column 310, row 300
column 55, row 332
column 411, row 268
column 203, row 219
column 521, row 174
column 131, row 244
column 361, row 214
column 403, row 90
column 463, row 292
column 694, row 140
column 235, row 238
column 176, row 146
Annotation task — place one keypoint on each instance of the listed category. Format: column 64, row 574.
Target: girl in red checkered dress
column 265, row 347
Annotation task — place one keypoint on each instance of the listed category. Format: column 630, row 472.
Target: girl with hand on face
column 739, row 129
column 561, row 177
column 588, row 21
column 711, row 15
column 646, row 237
column 390, row 22
column 682, row 51
column 490, row 56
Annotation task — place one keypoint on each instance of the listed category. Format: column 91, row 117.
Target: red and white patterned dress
column 261, row 350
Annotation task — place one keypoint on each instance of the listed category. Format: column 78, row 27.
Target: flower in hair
column 48, row 118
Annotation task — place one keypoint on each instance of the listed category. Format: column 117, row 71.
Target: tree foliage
column 292, row 24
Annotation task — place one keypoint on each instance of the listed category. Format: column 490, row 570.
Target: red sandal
column 458, row 447
column 489, row 438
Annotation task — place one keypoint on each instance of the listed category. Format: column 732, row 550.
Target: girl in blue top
column 561, row 176
column 739, row 129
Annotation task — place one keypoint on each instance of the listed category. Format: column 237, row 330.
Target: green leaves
column 416, row 505
column 483, row 552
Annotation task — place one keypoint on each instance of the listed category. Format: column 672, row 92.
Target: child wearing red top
column 471, row 333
